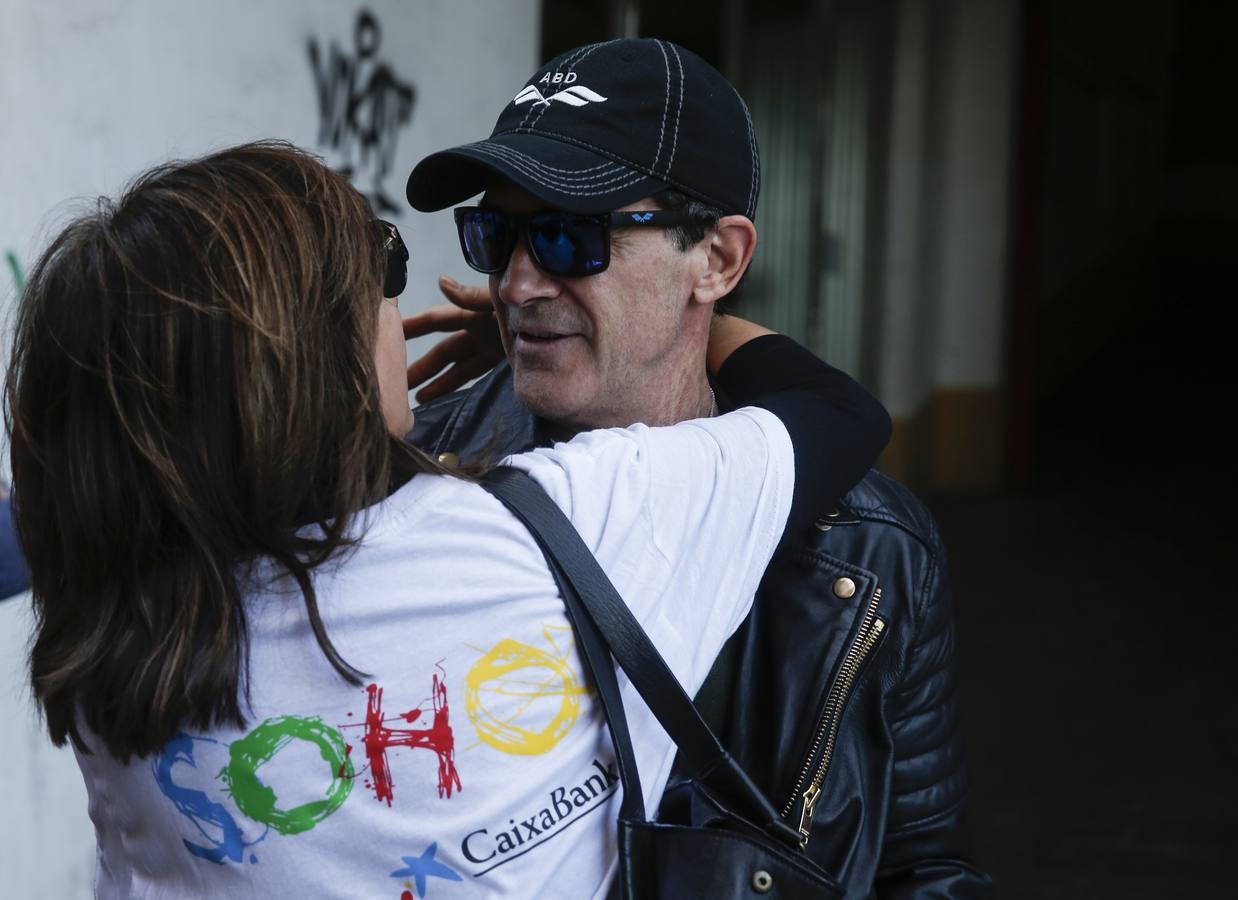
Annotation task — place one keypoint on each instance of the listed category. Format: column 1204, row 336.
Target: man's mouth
column 541, row 337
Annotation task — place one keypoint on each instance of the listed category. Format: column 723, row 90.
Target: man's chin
column 555, row 398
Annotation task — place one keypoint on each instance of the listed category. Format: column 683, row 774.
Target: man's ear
column 729, row 250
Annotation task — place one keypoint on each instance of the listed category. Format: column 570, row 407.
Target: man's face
column 603, row 350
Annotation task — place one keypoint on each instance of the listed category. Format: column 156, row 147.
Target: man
column 838, row 694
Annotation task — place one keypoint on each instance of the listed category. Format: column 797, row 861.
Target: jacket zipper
column 827, row 729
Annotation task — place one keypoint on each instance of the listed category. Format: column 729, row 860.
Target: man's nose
column 522, row 281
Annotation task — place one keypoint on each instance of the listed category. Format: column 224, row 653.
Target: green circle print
column 258, row 801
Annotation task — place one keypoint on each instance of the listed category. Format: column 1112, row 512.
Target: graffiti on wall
column 19, row 279
column 363, row 105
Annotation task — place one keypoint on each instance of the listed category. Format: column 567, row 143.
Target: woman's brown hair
column 192, row 382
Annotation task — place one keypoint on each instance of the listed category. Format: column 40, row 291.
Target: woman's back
column 297, row 656
column 474, row 754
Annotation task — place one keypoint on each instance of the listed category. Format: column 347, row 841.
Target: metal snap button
column 844, row 588
column 450, row 460
column 762, row 881
column 824, row 523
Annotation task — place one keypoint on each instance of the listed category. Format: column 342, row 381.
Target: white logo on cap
column 576, row 95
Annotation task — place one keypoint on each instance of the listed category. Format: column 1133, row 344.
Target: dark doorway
column 1126, row 261
column 1094, row 605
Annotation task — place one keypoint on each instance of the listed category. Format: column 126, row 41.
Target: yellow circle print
column 521, row 699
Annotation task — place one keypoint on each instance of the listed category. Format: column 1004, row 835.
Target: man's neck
column 694, row 400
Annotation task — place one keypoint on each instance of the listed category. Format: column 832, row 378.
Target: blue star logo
column 419, row 868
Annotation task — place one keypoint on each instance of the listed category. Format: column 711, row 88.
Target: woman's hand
column 473, row 348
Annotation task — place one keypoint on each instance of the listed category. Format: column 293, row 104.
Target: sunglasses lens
column 567, row 246
column 560, row 243
column 485, row 237
column 395, row 278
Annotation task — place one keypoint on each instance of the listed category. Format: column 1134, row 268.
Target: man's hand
column 473, row 348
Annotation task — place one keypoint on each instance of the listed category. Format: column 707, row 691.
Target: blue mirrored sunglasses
column 560, row 243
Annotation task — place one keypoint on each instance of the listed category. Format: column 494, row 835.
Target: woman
column 294, row 655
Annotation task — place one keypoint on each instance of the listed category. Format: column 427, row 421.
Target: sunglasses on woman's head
column 560, row 243
column 395, row 278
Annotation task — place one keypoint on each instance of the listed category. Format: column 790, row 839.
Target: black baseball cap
column 605, row 125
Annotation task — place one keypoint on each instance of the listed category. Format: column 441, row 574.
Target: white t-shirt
column 473, row 761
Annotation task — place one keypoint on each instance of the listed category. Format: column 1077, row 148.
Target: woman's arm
column 726, row 335
column 837, row 428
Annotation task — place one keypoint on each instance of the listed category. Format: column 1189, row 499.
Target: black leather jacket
column 838, row 693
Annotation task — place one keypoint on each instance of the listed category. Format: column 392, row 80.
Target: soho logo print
column 182, row 771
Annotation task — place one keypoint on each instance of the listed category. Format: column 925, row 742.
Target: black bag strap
column 603, row 620
column 598, row 662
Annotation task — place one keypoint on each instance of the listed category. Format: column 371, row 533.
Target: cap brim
column 565, row 176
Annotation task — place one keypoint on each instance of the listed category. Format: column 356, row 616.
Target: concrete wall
column 93, row 91
column 47, row 844
column 942, row 341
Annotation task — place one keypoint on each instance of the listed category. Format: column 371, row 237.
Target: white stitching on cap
column 598, row 170
column 528, row 112
column 571, row 64
column 549, row 173
column 752, row 149
column 536, row 176
column 600, row 151
column 490, row 143
column 524, row 123
column 591, row 173
column 517, row 156
column 653, row 167
column 678, row 110
column 572, row 139
column 543, row 178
